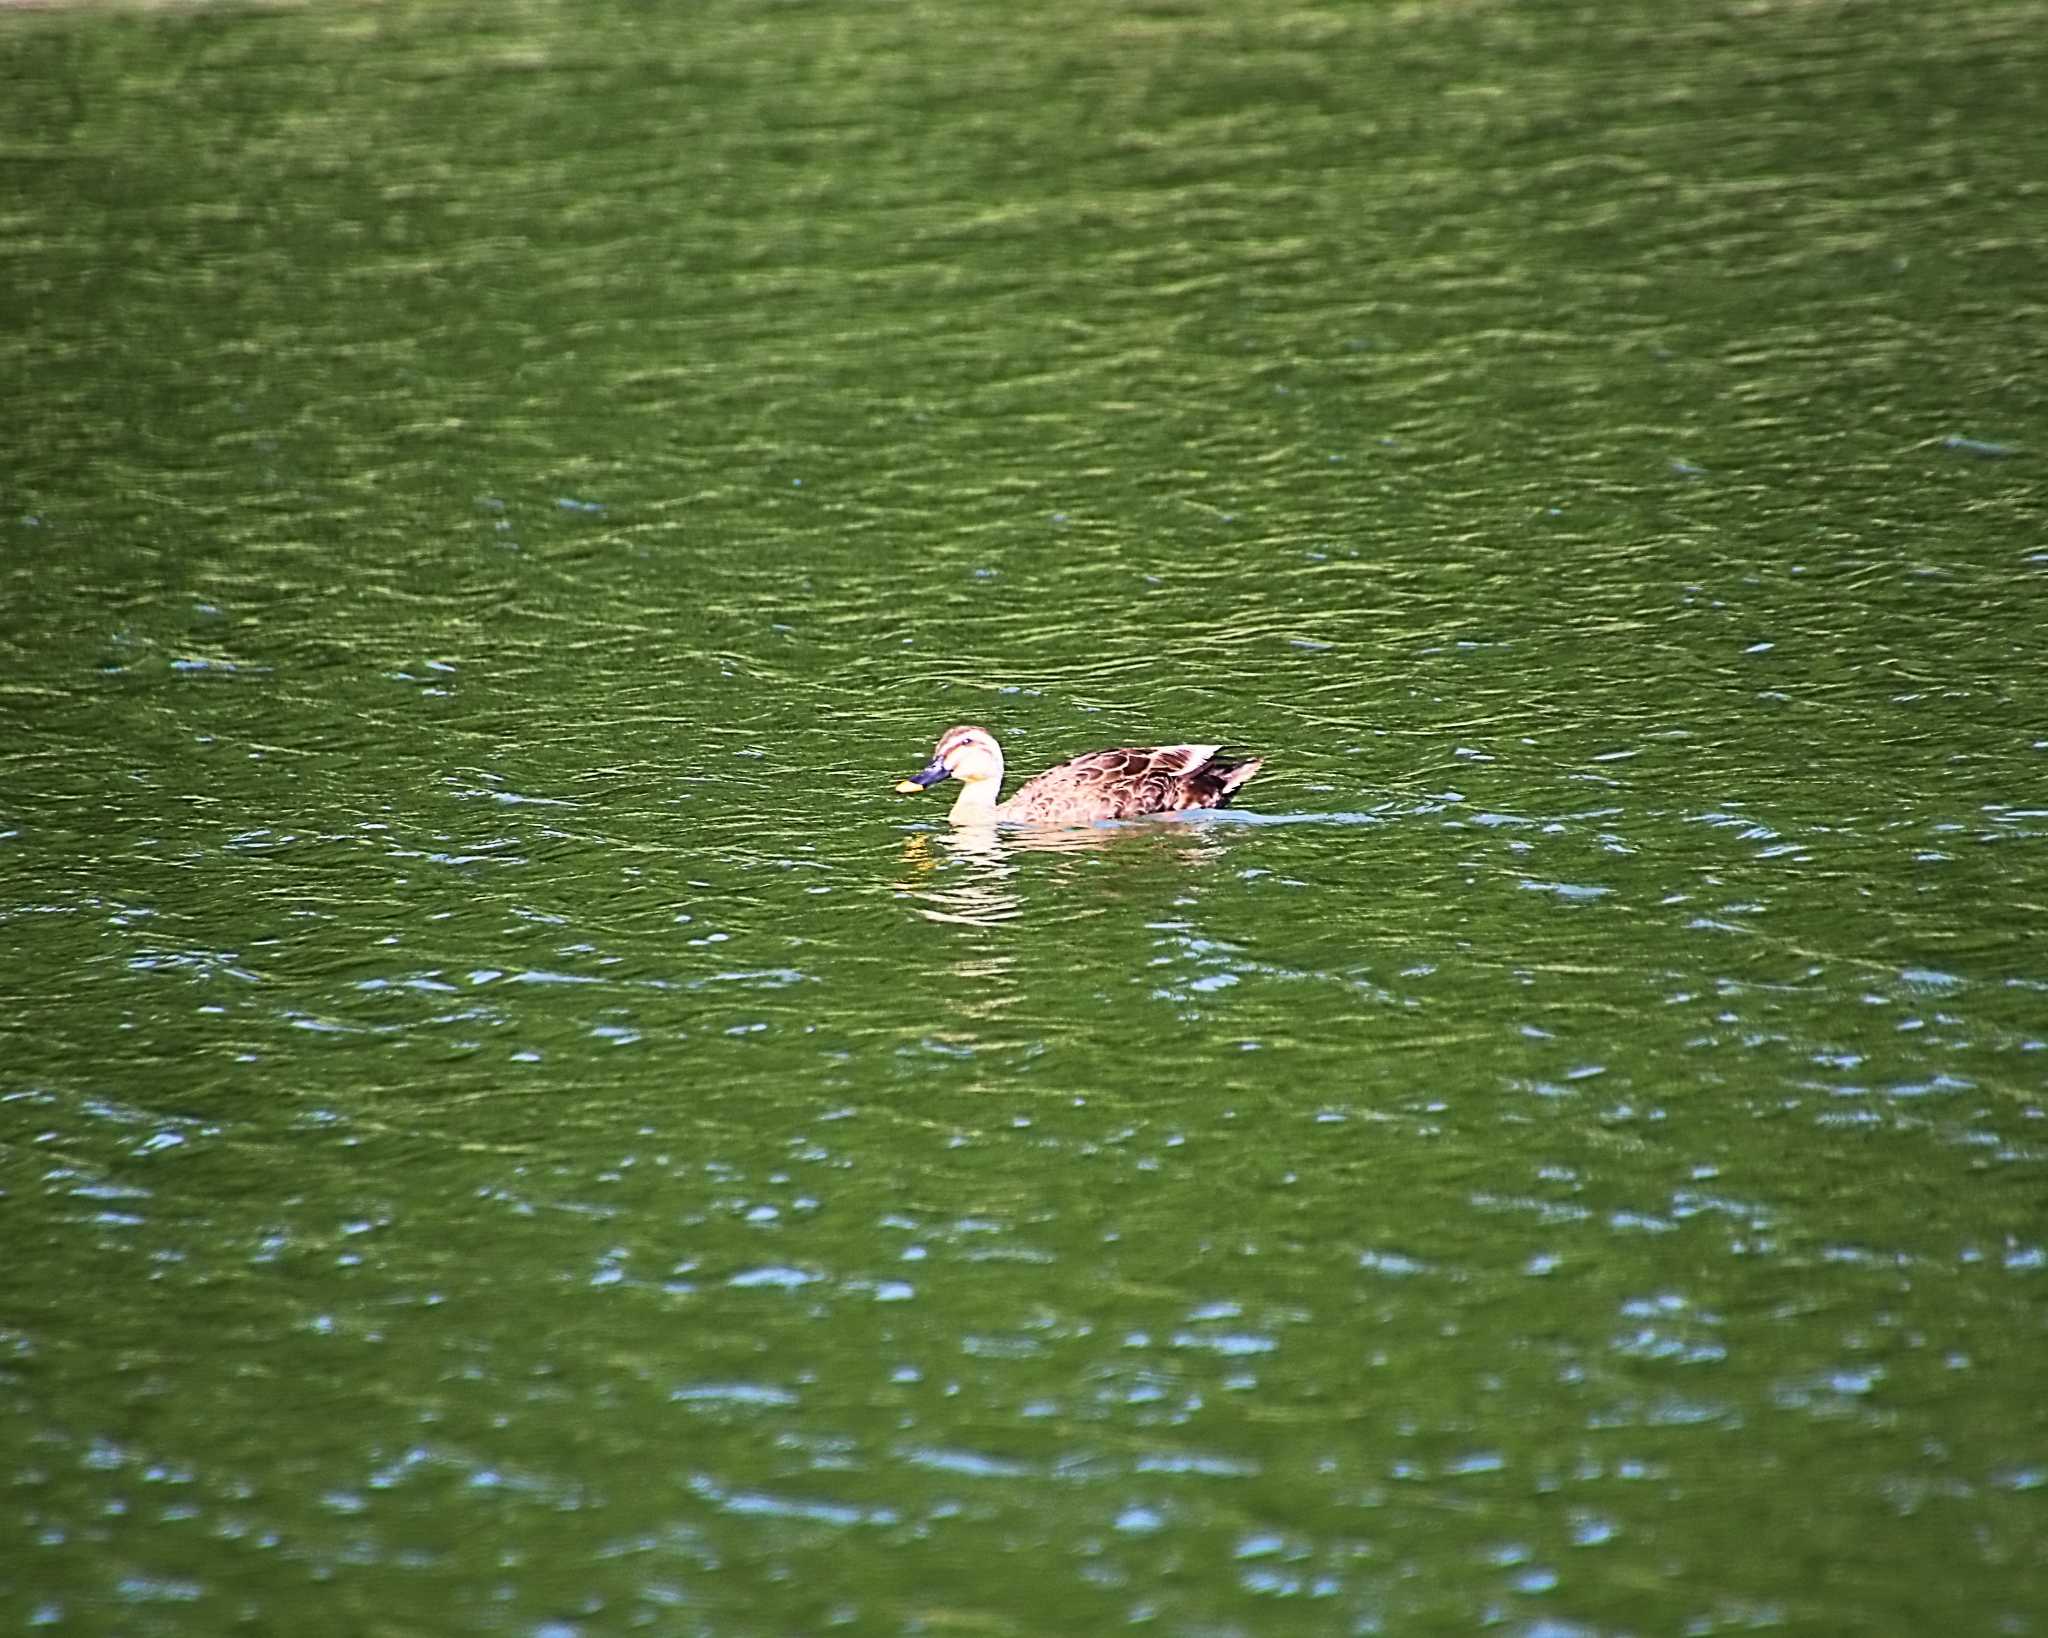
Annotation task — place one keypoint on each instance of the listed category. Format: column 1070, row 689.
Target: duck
column 1126, row 783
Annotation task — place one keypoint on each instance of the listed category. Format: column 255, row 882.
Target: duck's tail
column 1217, row 780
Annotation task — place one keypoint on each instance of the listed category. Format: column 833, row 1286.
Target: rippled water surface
column 508, row 1125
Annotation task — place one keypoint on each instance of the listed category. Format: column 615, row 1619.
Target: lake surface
column 508, row 1125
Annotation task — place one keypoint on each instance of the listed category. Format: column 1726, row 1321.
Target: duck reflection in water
column 974, row 880
column 988, row 890
column 985, row 894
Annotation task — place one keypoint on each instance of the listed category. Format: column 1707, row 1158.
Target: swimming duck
column 1121, row 784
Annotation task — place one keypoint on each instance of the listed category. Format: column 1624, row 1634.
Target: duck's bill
column 923, row 779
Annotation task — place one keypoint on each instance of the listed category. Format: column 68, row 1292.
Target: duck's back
column 1130, row 782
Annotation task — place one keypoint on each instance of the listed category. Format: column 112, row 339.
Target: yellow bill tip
column 909, row 787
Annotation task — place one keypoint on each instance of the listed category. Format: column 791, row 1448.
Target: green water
column 507, row 1125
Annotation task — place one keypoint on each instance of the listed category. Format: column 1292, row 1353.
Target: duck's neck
column 976, row 803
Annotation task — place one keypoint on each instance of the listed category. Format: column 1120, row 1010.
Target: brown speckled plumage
column 1125, row 783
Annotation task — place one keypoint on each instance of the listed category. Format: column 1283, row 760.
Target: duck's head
column 967, row 753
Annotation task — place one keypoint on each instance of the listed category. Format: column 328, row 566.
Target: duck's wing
column 1130, row 781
